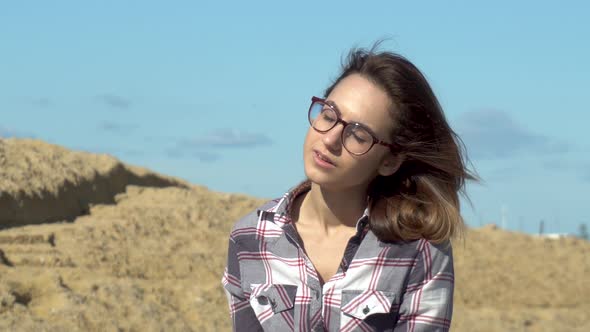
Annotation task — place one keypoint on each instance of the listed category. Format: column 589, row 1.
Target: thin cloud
column 160, row 139
column 493, row 134
column 42, row 102
column 202, row 156
column 220, row 139
column 228, row 138
column 206, row 157
column 114, row 101
column 557, row 165
column 116, row 128
column 581, row 168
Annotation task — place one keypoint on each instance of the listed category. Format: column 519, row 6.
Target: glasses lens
column 322, row 117
column 357, row 139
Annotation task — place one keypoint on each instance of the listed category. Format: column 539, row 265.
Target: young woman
column 363, row 244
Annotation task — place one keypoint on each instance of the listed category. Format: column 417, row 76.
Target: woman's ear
column 390, row 164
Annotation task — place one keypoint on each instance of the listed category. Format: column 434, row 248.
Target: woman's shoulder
column 250, row 220
column 419, row 247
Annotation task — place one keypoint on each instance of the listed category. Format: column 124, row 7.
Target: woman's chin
column 326, row 181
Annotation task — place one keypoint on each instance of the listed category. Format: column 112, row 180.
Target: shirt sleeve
column 427, row 304
column 241, row 313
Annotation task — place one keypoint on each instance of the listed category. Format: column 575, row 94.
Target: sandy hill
column 88, row 243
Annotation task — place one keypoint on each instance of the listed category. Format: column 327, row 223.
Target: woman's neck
column 331, row 210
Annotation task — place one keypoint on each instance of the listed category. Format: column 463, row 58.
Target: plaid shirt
column 271, row 284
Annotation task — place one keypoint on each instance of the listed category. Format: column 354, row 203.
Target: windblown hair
column 421, row 199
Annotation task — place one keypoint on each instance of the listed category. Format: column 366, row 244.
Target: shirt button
column 262, row 300
column 366, row 310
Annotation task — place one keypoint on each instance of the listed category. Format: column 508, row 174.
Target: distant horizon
column 217, row 93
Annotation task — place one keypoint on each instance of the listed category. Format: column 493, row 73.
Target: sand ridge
column 41, row 182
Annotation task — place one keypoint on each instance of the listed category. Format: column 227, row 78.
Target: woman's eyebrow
column 333, row 104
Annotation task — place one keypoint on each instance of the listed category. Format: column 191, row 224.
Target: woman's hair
column 420, row 200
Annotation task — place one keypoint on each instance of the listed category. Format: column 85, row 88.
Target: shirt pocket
column 375, row 308
column 273, row 304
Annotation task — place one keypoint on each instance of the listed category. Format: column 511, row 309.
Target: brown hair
column 420, row 200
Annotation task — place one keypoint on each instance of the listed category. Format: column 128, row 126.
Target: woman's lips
column 322, row 160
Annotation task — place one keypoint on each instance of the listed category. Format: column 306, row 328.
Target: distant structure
column 555, row 236
column 503, row 212
column 583, row 232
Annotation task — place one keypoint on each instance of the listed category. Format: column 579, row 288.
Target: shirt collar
column 285, row 202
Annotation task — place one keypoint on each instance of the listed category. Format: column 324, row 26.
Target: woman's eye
column 359, row 139
column 327, row 117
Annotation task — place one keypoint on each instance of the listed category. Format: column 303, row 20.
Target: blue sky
column 216, row 92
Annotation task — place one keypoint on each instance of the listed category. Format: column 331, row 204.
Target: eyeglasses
column 357, row 138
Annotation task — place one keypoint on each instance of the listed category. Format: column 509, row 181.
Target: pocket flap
column 363, row 303
column 275, row 296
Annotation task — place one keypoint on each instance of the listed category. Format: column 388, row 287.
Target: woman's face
column 358, row 100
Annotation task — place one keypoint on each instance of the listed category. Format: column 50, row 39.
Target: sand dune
column 40, row 182
column 88, row 243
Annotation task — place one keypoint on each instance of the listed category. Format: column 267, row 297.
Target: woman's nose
column 333, row 137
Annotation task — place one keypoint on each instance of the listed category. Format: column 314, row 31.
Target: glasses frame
column 345, row 124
